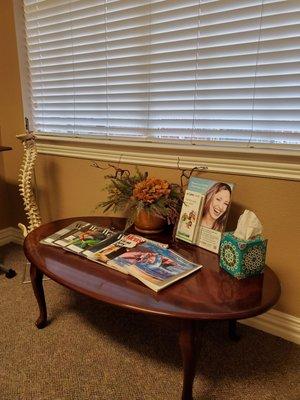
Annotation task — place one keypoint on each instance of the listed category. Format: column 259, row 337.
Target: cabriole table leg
column 36, row 277
column 187, row 346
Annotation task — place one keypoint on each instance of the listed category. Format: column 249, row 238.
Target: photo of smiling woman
column 216, row 208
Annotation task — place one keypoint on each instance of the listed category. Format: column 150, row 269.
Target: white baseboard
column 11, row 235
column 277, row 323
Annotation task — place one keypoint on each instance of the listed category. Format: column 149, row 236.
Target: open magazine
column 149, row 261
column 204, row 212
column 155, row 266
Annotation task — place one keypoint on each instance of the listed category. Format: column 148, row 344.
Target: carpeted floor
column 95, row 351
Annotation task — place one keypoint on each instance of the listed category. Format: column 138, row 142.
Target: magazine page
column 156, row 262
column 104, row 253
column 63, row 232
column 91, row 237
column 213, row 213
column 153, row 283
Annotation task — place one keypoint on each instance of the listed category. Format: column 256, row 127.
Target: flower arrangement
column 140, row 192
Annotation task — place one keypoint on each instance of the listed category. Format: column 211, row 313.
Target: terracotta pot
column 146, row 222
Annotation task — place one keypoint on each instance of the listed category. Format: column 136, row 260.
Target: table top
column 208, row 294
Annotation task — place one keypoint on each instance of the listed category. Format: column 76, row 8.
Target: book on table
column 149, row 261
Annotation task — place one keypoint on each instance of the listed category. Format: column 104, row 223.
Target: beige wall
column 5, row 217
column 71, row 187
column 11, row 118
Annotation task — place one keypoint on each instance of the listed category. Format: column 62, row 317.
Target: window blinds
column 166, row 70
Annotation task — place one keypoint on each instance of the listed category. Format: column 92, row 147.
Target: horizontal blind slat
column 165, row 70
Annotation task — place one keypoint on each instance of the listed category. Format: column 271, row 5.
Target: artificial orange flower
column 151, row 189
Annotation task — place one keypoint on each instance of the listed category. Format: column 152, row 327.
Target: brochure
column 204, row 213
column 188, row 220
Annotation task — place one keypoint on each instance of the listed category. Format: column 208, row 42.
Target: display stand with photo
column 204, row 213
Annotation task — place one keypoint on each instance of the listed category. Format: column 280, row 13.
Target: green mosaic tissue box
column 242, row 258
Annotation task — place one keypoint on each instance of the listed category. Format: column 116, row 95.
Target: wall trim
column 11, row 235
column 274, row 322
column 277, row 323
column 239, row 160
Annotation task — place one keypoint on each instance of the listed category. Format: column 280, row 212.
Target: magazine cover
column 158, row 263
column 107, row 253
column 68, row 230
column 213, row 216
column 127, row 241
column 91, row 237
column 104, row 253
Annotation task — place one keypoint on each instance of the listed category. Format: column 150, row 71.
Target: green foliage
column 121, row 198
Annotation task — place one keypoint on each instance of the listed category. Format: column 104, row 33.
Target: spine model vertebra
column 26, row 183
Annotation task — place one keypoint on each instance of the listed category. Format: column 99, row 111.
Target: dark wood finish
column 187, row 345
column 208, row 294
column 36, row 277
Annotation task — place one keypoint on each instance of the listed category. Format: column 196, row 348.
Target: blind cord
column 255, row 73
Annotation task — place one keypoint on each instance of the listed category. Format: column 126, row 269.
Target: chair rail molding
column 262, row 162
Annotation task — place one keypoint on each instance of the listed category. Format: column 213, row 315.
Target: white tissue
column 248, row 226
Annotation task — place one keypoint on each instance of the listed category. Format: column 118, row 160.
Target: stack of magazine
column 149, row 261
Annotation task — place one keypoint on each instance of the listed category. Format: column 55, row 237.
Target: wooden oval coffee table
column 208, row 294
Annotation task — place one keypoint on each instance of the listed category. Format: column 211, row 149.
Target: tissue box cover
column 242, row 258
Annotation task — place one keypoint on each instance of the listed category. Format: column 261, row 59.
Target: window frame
column 239, row 158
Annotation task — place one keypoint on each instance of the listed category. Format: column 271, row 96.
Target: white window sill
column 264, row 161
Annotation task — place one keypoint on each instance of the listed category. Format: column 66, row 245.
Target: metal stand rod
column 9, row 273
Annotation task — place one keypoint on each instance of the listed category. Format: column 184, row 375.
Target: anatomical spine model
column 25, row 183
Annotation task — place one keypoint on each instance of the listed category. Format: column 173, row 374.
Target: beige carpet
column 95, row 351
